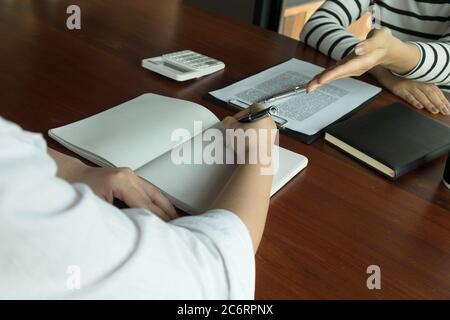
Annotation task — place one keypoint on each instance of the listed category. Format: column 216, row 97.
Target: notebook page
column 194, row 187
column 135, row 132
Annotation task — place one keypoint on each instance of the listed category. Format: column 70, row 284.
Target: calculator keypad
column 183, row 65
column 191, row 60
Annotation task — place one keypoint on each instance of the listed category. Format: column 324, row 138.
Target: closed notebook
column 392, row 140
column 139, row 134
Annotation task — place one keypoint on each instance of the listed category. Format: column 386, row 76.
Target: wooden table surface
column 324, row 228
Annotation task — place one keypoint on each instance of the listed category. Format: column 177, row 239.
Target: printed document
column 305, row 113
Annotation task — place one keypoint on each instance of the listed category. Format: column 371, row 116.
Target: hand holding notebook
column 138, row 135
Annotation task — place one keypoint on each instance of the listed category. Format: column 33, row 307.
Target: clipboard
column 300, row 67
column 305, row 138
column 280, row 122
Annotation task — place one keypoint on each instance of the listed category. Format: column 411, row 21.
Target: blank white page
column 194, row 187
column 135, row 132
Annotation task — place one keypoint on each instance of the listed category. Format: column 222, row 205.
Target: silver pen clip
column 241, row 105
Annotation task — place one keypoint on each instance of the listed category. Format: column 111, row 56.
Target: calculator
column 183, row 65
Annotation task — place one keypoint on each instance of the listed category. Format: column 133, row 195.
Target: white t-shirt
column 56, row 237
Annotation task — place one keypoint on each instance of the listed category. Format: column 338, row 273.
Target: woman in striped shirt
column 408, row 51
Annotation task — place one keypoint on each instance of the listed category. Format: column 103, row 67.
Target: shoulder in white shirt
column 56, row 236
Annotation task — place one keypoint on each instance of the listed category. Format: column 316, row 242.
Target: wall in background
column 284, row 16
column 264, row 13
column 288, row 3
column 242, row 10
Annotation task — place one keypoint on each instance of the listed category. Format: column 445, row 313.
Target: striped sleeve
column 326, row 29
column 433, row 66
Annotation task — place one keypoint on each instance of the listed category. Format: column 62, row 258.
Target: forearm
column 383, row 76
column 432, row 62
column 402, row 57
column 247, row 195
column 420, row 61
column 326, row 29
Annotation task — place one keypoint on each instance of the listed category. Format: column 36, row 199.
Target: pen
column 296, row 90
column 270, row 111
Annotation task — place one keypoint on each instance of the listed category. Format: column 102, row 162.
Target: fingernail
column 311, row 88
column 434, row 110
column 359, row 50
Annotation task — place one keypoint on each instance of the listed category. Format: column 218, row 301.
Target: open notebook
column 138, row 134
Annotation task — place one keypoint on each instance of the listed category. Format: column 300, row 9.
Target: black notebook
column 392, row 140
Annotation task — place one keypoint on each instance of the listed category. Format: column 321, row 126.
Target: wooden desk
column 324, row 228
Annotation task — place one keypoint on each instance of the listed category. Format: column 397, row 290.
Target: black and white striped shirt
column 425, row 23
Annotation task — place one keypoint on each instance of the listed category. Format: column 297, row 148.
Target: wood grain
column 324, row 228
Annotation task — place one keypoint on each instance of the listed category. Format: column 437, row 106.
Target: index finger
column 337, row 72
column 321, row 78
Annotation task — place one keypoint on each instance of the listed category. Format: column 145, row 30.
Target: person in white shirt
column 61, row 238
